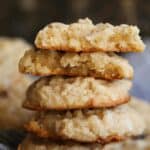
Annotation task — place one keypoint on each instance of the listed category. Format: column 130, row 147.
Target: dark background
column 25, row 17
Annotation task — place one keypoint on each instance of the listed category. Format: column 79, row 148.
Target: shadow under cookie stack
column 81, row 97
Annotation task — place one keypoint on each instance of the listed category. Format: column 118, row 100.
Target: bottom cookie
column 98, row 125
column 32, row 143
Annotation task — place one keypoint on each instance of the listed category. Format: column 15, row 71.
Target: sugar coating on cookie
column 108, row 66
column 85, row 36
column 60, row 93
column 99, row 125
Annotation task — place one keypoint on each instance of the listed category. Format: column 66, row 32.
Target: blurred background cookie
column 12, row 84
column 143, row 107
column 11, row 49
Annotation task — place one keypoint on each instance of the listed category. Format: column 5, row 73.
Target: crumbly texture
column 11, row 50
column 85, row 36
column 99, row 125
column 32, row 143
column 61, row 93
column 102, row 65
column 12, row 115
column 143, row 108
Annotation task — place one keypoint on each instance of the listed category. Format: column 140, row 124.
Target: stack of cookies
column 81, row 95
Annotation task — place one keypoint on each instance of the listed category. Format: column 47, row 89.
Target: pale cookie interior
column 85, row 36
column 76, row 92
column 102, row 65
column 88, row 125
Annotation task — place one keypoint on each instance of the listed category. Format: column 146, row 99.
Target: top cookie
column 85, row 36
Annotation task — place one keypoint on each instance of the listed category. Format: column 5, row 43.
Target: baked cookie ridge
column 99, row 125
column 87, row 37
column 61, row 93
column 107, row 66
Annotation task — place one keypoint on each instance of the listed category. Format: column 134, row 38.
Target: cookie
column 102, row 65
column 99, row 125
column 143, row 108
column 32, row 143
column 87, row 37
column 130, row 144
column 12, row 115
column 11, row 49
column 13, row 85
column 61, row 93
